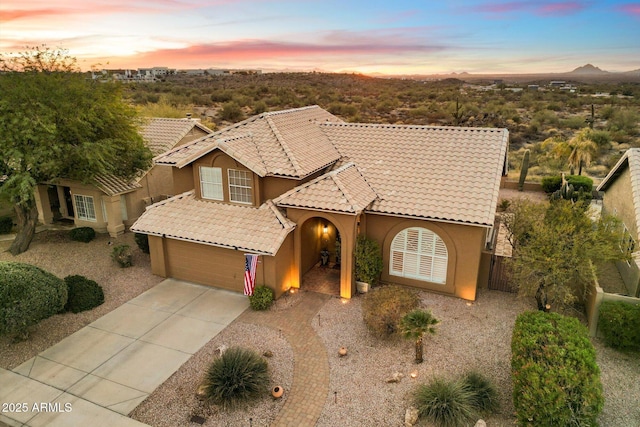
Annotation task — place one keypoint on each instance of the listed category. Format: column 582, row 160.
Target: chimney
column 188, row 115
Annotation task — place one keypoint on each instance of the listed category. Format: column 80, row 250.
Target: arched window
column 419, row 253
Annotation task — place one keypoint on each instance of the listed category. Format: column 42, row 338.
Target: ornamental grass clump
column 445, row 403
column 238, row 376
column 484, row 394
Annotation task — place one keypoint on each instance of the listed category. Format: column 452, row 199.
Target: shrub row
column 620, row 325
column 551, row 184
column 82, row 234
column 556, row 380
column 29, row 294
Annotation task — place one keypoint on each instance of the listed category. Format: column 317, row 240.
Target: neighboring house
column 289, row 185
column 621, row 198
column 111, row 204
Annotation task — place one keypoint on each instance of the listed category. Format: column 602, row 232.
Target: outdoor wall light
column 325, row 229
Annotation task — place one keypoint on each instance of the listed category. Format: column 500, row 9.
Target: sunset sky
column 391, row 37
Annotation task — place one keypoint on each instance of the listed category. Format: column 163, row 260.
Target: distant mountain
column 588, row 69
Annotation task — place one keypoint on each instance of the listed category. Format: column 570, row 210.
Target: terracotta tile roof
column 260, row 230
column 341, row 190
column 442, row 173
column 282, row 143
column 162, row 134
column 630, row 159
column 112, row 185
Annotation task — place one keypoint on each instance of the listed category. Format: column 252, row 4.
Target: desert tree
column 55, row 122
column 556, row 249
column 414, row 325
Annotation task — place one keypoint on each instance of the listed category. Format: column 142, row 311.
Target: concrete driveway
column 99, row 374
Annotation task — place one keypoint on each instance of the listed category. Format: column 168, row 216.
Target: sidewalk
column 98, row 375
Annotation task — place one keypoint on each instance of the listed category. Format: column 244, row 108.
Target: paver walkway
column 310, row 388
column 99, row 374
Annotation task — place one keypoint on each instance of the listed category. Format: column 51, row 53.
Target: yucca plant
column 445, row 403
column 414, row 325
column 236, row 377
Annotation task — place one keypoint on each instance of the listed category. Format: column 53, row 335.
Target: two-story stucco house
column 288, row 185
column 621, row 198
column 111, row 204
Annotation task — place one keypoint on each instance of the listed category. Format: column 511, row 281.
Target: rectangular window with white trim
column 627, row 244
column 240, row 190
column 84, row 207
column 211, row 183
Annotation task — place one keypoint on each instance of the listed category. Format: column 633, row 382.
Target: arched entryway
column 320, row 257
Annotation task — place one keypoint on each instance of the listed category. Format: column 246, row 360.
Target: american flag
column 250, row 264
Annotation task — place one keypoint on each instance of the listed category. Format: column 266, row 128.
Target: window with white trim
column 240, row 186
column 84, row 207
column 419, row 253
column 211, row 183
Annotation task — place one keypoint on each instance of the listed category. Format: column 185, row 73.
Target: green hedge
column 82, row 234
column 551, row 184
column 556, row 381
column 620, row 325
column 28, row 294
column 84, row 294
column 6, row 224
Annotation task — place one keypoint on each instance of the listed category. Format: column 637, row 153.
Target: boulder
column 481, row 423
column 395, row 378
column 411, row 416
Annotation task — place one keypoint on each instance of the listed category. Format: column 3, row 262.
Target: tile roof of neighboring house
column 630, row 159
column 441, row 173
column 162, row 134
column 260, row 230
column 341, row 190
column 112, row 185
column 281, row 143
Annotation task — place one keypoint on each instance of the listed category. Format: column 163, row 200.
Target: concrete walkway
column 98, row 375
column 310, row 388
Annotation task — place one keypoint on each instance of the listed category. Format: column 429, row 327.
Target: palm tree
column 414, row 325
column 583, row 149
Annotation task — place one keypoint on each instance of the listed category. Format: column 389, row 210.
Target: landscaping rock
column 268, row 353
column 395, row 378
column 481, row 423
column 201, row 393
column 411, row 416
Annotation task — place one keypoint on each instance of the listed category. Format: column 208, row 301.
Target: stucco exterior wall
column 618, row 201
column 464, row 246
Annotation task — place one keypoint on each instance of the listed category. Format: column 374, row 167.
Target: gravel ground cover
column 470, row 336
column 56, row 253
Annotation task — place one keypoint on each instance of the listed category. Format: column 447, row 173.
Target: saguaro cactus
column 524, row 170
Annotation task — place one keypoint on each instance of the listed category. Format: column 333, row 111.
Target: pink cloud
column 539, row 8
column 630, row 8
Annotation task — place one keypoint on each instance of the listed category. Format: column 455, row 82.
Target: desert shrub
column 142, row 240
column 83, row 294
column 28, row 294
column 484, row 396
column 445, row 403
column 551, row 184
column 236, row 377
column 368, row 260
column 82, row 234
column 384, row 307
column 580, row 182
column 620, row 325
column 231, row 111
column 262, row 298
column 556, row 380
column 6, row 224
column 122, row 255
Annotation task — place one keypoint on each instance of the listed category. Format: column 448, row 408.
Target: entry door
column 68, row 201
